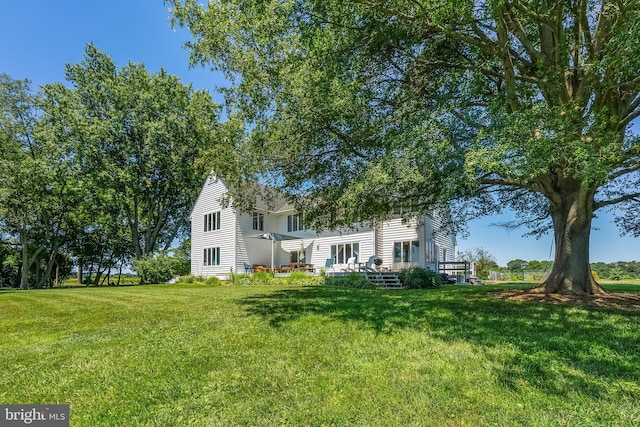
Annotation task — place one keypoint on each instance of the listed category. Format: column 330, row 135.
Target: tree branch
column 626, row 197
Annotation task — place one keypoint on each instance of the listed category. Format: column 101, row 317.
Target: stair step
column 385, row 280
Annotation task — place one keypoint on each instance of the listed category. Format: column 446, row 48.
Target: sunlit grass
column 291, row 355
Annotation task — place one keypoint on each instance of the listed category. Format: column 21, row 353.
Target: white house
column 225, row 240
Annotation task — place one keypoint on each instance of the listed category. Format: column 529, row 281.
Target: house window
column 212, row 221
column 342, row 252
column 294, row 222
column 258, row 221
column 430, row 252
column 211, row 256
column 408, row 251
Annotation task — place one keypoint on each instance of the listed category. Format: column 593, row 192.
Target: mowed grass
column 184, row 355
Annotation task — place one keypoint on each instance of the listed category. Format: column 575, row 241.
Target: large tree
column 357, row 106
column 39, row 188
column 138, row 136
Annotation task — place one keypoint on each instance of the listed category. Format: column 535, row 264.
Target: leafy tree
column 359, row 106
column 182, row 254
column 138, row 136
column 535, row 265
column 38, row 184
column 517, row 264
column 483, row 260
column 156, row 269
column 9, row 256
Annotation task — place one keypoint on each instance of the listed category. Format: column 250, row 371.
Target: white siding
column 224, row 238
column 252, row 250
column 238, row 244
column 318, row 249
column 395, row 230
column 443, row 239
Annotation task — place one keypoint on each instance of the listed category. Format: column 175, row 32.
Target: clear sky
column 39, row 36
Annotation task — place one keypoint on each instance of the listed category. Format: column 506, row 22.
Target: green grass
column 187, row 355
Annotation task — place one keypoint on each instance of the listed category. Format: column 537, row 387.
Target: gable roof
column 260, row 197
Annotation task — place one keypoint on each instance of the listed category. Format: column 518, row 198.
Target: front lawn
column 180, row 355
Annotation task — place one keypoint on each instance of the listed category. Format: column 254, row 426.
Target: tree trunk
column 24, row 277
column 119, row 274
column 42, row 280
column 571, row 212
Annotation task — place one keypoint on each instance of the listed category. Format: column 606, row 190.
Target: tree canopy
column 357, row 107
column 103, row 169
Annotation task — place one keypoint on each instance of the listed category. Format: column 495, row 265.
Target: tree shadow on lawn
column 556, row 348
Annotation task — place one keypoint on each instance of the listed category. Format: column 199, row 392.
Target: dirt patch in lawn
column 616, row 300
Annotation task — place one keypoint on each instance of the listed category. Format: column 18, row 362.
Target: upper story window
column 294, row 222
column 212, row 221
column 258, row 221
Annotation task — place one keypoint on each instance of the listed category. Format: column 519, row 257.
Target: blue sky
column 40, row 36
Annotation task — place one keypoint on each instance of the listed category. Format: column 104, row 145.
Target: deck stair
column 385, row 279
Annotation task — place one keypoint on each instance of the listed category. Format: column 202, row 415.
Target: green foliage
column 141, row 154
column 9, row 261
column 358, row 107
column 355, row 281
column 297, row 276
column 617, row 270
column 517, row 264
column 102, row 170
column 212, row 281
column 239, row 279
column 156, row 269
column 41, row 186
column 262, row 278
column 484, row 261
column 420, row 278
column 535, row 265
column 187, row 279
column 268, row 278
column 183, row 255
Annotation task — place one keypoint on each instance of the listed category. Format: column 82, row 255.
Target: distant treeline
column 613, row 271
column 617, row 270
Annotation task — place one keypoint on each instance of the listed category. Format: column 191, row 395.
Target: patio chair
column 369, row 266
column 328, row 264
column 248, row 268
column 351, row 264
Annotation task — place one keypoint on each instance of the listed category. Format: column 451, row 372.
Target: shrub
column 212, row 281
column 297, row 276
column 351, row 281
column 159, row 269
column 444, row 277
column 239, row 279
column 262, row 278
column 420, row 278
